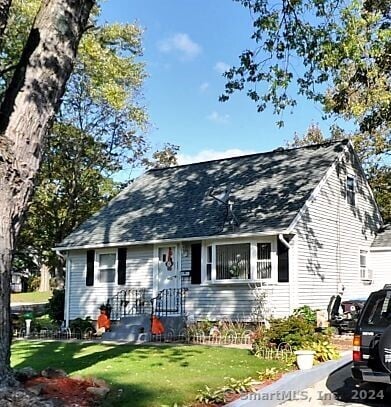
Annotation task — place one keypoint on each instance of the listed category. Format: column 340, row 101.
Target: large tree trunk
column 29, row 105
column 44, row 274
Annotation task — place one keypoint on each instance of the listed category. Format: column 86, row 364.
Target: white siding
column 380, row 264
column 84, row 301
column 234, row 302
column 329, row 237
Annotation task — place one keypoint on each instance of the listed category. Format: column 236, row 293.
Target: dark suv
column 372, row 339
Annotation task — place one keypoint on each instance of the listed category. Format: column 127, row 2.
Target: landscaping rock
column 99, row 383
column 19, row 397
column 98, row 391
column 26, row 373
column 37, row 389
column 51, row 373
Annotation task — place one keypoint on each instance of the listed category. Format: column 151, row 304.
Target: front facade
column 260, row 234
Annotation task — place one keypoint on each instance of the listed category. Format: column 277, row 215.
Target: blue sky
column 187, row 46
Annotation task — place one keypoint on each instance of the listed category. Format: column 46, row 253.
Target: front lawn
column 149, row 375
column 31, row 298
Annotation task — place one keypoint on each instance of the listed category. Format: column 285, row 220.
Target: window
column 351, row 190
column 233, row 261
column 264, row 261
column 209, row 263
column 107, row 267
column 364, row 271
column 252, row 260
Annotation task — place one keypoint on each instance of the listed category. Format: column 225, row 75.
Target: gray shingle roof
column 383, row 238
column 268, row 190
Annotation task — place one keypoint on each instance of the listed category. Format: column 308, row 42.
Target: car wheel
column 385, row 349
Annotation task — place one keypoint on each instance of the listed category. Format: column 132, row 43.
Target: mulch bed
column 64, row 391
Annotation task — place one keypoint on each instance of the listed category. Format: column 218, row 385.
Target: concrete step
column 129, row 337
column 141, row 320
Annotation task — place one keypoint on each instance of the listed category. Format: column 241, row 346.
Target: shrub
column 307, row 313
column 299, row 332
column 33, row 283
column 239, row 385
column 294, row 330
column 324, row 350
column 81, row 324
column 211, row 396
column 56, row 306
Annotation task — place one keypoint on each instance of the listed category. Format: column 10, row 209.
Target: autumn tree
column 30, row 101
column 335, row 52
column 100, row 128
column 165, row 157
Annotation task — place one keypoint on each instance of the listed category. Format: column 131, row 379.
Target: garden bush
column 56, row 306
column 81, row 324
column 298, row 331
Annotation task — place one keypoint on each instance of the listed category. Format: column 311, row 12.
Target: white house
column 300, row 221
column 379, row 258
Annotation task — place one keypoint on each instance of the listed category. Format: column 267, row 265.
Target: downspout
column 286, row 244
column 283, row 241
column 67, row 288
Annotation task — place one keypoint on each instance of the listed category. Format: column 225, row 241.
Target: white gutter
column 162, row 241
column 380, row 248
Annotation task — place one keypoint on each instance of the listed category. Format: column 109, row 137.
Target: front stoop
column 137, row 329
column 131, row 329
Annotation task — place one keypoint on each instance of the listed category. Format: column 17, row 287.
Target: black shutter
column 196, row 263
column 283, row 262
column 90, row 267
column 122, row 266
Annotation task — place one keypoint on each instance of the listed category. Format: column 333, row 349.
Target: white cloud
column 207, row 155
column 204, row 87
column 182, row 44
column 218, row 118
column 221, row 67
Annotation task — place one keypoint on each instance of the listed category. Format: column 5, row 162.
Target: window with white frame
column 264, row 260
column 239, row 261
column 364, row 272
column 107, row 267
column 351, row 190
column 209, row 263
column 233, row 261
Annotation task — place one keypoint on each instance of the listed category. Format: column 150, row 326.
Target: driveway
column 339, row 389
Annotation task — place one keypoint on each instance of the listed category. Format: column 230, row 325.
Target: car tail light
column 357, row 354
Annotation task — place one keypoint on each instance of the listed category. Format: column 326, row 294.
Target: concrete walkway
column 292, row 386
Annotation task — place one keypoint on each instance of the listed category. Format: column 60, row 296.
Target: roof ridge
column 276, row 150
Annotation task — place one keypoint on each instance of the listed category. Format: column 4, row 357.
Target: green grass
column 143, row 376
column 34, row 297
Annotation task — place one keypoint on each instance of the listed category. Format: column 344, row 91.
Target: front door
column 167, row 268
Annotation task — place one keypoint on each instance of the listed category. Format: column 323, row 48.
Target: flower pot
column 304, row 359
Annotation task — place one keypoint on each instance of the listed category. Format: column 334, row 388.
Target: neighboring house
column 19, row 281
column 378, row 265
column 297, row 221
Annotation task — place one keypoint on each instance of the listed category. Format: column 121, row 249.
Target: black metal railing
column 127, row 302
column 170, row 301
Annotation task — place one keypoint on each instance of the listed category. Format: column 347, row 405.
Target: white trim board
column 169, row 241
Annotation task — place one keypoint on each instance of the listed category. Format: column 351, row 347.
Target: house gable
column 331, row 231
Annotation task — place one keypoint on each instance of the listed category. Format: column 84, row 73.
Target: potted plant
column 235, row 268
column 304, row 358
